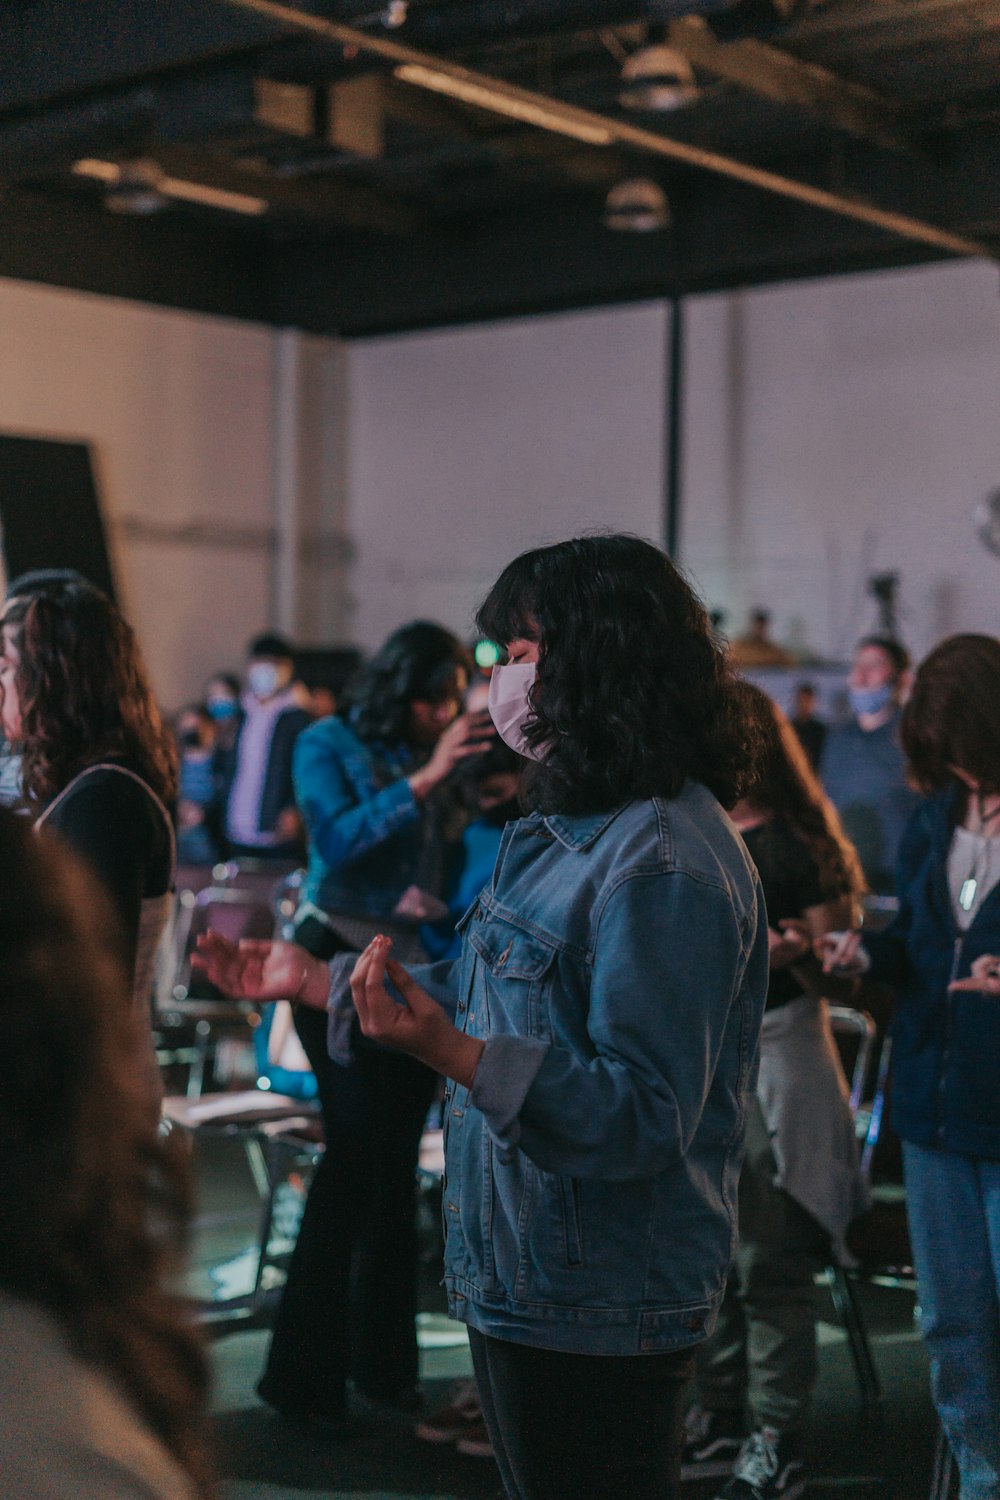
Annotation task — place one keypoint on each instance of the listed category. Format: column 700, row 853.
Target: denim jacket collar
column 580, row 832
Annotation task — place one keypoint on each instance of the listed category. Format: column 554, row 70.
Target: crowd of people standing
column 607, row 907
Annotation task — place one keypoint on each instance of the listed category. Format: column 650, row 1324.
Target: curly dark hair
column 952, row 716
column 83, row 692
column 417, row 663
column 84, row 1176
column 788, row 788
column 633, row 695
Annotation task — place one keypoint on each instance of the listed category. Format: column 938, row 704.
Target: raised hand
column 790, row 945
column 418, row 1026
column 261, row 970
column 469, row 734
column 842, row 953
column 984, row 979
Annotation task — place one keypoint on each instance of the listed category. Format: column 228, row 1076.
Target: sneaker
column 475, row 1441
column 711, row 1445
column 769, row 1467
column 450, row 1423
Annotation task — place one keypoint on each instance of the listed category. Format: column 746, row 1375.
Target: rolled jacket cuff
column 507, row 1069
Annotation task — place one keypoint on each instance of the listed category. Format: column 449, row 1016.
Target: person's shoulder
column 295, row 717
column 110, row 785
column 698, row 839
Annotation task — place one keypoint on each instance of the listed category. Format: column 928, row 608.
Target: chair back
column 854, row 1033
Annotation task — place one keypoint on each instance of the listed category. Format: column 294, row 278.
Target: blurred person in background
column 756, row 648
column 10, row 760
column 198, row 794
column 98, row 766
column 800, row 1186
column 941, row 954
column 373, row 788
column 261, row 819
column 808, row 726
column 103, row 1382
column 222, row 699
column 863, row 768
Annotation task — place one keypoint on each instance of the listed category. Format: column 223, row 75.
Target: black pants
column 584, row 1426
column 349, row 1305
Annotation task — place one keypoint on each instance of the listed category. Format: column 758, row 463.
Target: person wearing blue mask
column 261, row 819
column 863, row 766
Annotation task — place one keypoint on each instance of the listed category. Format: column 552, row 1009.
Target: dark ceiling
column 823, row 136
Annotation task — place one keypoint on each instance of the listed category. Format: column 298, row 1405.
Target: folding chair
column 277, row 1135
column 239, row 904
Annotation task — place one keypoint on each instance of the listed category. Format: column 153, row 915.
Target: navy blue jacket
column 946, row 1047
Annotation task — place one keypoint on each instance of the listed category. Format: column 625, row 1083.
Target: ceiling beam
column 442, row 75
column 774, row 74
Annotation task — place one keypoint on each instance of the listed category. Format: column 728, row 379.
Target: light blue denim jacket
column 363, row 821
column 616, row 967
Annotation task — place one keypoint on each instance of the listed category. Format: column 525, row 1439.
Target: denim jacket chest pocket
column 513, row 980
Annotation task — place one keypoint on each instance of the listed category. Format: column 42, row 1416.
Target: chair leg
column 943, row 1473
column 849, row 1312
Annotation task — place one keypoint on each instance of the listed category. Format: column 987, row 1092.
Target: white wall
column 181, row 411
column 833, row 429
column 468, row 446
column 840, row 428
column 253, row 477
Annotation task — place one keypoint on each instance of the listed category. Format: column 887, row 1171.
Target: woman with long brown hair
column 103, row 1381
column 98, row 767
column 800, row 1185
column 941, row 954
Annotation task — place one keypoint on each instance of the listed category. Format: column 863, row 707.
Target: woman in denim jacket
column 607, row 1009
column 940, row 954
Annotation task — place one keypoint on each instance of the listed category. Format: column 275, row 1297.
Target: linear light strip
column 177, row 187
column 514, row 106
column 647, row 141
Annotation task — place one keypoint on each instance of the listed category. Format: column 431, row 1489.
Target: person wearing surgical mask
column 261, row 821
column 862, row 767
column 599, row 1030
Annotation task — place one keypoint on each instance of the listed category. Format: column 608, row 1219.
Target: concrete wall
column 255, row 477
column 219, row 469
column 468, row 446
column 841, row 428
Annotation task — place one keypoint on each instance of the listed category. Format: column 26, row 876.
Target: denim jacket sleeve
column 344, row 820
column 669, row 962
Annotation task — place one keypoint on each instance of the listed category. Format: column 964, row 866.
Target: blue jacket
column 946, row 1048
column 616, row 966
column 364, row 823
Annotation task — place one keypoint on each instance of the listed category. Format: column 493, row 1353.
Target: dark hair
column 416, row 664
column 230, row 679
column 83, row 692
column 952, row 716
column 37, row 579
column 94, row 1202
column 788, row 788
column 633, row 694
column 893, row 649
column 270, row 645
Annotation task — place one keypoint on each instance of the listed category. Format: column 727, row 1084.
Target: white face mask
column 510, row 708
column 262, row 678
